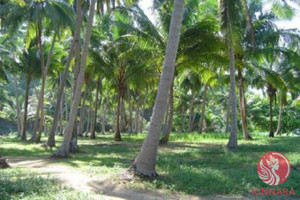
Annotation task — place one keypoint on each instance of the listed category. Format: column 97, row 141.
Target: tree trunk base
column 143, row 173
column 232, row 148
column 93, row 136
column 163, row 141
column 118, row 138
column 51, row 143
column 58, row 156
column 248, row 137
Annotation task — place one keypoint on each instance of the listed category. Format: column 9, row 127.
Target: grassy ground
column 189, row 164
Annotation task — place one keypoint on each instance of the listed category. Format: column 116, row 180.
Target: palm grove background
column 79, row 68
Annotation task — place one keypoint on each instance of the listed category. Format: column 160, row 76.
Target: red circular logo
column 273, row 168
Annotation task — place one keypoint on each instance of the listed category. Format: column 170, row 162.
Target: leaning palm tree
column 64, row 149
column 145, row 162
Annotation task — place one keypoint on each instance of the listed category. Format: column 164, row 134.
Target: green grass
column 27, row 185
column 189, row 164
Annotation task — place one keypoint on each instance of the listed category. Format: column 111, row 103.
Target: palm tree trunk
column 166, row 136
column 19, row 117
column 59, row 101
column 271, row 131
column 118, row 131
column 202, row 118
column 93, row 134
column 82, row 115
column 51, row 138
column 23, row 134
column 243, row 106
column 41, row 95
column 249, row 23
column 87, row 130
column 191, row 109
column 183, row 119
column 232, row 143
column 130, row 113
column 279, row 119
column 65, row 146
column 42, row 92
column 104, row 114
column 227, row 116
column 145, row 162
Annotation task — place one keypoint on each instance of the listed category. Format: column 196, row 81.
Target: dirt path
column 101, row 186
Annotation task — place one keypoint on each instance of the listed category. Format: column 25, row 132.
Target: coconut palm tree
column 64, row 149
column 228, row 14
column 145, row 162
column 36, row 13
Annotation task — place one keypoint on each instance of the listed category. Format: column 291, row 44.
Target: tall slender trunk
column 42, row 92
column 19, row 117
column 104, row 116
column 118, row 131
column 227, row 116
column 51, row 138
column 93, row 134
column 232, row 143
column 243, row 106
column 136, row 124
column 41, row 95
column 59, row 101
column 89, row 120
column 279, row 119
column 202, row 118
column 249, row 23
column 130, row 113
column 142, row 115
column 82, row 114
column 23, row 134
column 61, row 118
column 76, row 71
column 183, row 119
column 166, row 136
column 65, row 146
column 271, row 131
column 191, row 109
column 145, row 162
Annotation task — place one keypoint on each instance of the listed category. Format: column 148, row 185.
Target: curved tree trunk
column 232, row 143
column 23, row 134
column 42, row 92
column 64, row 149
column 145, row 162
column 243, row 106
column 202, row 118
column 166, row 136
column 41, row 95
column 51, row 137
